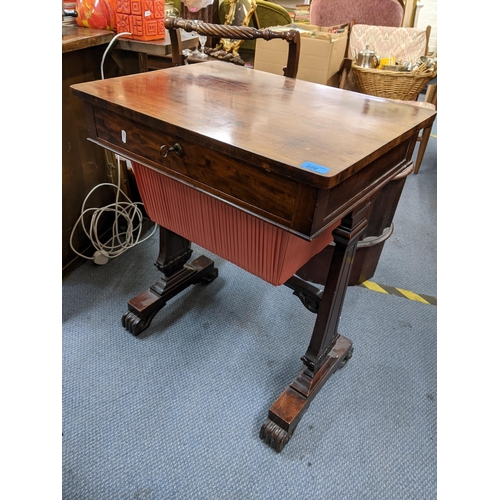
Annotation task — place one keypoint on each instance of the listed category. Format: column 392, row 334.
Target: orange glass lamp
column 95, row 14
column 144, row 19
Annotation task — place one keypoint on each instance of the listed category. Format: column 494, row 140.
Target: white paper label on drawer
column 124, row 137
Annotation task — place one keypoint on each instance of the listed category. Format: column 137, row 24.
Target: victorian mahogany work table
column 262, row 170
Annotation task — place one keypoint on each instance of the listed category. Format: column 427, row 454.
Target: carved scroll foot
column 274, row 435
column 210, row 277
column 348, row 356
column 143, row 308
column 135, row 324
column 288, row 409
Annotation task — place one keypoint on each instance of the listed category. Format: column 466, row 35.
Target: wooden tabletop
column 76, row 38
column 295, row 128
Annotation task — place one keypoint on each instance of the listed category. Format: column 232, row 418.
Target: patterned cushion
column 405, row 44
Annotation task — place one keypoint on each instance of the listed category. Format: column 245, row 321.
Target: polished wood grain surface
column 77, row 38
column 307, row 159
column 276, row 123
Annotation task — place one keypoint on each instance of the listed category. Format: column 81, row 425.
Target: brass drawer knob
column 176, row 148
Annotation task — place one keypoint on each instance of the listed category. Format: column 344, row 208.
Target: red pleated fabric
column 257, row 246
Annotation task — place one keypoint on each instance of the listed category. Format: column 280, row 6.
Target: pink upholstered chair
column 374, row 12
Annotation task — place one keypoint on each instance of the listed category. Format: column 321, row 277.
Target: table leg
column 328, row 351
column 178, row 274
column 142, row 59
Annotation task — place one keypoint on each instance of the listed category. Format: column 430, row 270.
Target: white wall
column 426, row 15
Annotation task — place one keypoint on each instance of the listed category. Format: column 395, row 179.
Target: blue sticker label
column 316, row 168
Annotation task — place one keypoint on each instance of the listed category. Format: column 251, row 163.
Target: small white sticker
column 124, row 137
column 147, row 13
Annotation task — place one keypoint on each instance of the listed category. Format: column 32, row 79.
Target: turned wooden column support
column 328, row 351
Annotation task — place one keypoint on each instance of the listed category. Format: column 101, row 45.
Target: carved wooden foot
column 143, row 308
column 274, row 435
column 288, row 409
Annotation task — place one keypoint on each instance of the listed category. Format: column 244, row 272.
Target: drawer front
column 240, row 183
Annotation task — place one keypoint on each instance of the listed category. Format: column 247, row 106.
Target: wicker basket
column 393, row 84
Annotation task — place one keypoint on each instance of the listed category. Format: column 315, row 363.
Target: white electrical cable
column 120, row 241
column 125, row 211
column 107, row 49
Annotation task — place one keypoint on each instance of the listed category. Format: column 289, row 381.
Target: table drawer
column 243, row 184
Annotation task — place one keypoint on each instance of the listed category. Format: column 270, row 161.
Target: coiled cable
column 122, row 237
column 125, row 211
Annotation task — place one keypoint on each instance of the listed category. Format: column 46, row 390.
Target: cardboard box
column 321, row 53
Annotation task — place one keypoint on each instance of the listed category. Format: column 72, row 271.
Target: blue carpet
column 176, row 414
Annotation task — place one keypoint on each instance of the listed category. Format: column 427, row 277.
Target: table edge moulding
column 77, row 38
column 264, row 171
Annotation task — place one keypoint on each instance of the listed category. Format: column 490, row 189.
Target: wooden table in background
column 83, row 163
column 76, row 38
column 321, row 156
column 153, row 54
